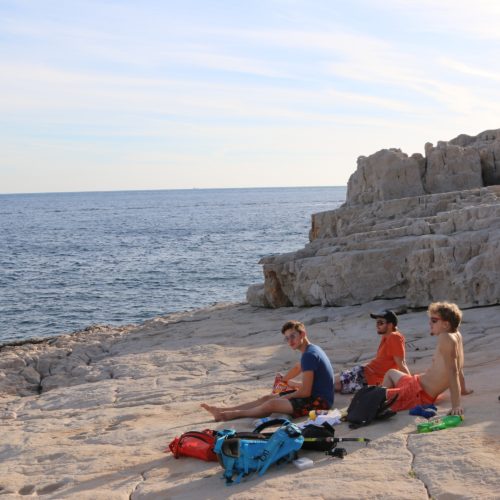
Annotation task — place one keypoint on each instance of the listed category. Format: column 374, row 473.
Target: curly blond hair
column 447, row 311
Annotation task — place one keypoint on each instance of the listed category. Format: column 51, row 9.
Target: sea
column 72, row 260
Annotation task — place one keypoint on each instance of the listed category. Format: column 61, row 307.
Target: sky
column 123, row 95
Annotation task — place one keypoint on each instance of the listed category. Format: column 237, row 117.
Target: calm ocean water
column 69, row 260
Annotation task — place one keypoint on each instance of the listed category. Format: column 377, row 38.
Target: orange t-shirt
column 391, row 346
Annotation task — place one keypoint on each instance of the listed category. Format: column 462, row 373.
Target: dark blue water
column 69, row 260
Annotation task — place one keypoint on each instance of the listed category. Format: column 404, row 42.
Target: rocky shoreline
column 88, row 415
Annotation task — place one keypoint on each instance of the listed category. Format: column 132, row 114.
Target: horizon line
column 166, row 189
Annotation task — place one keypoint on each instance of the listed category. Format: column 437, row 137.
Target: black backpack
column 320, row 438
column 368, row 404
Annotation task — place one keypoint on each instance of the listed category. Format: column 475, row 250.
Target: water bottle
column 440, row 424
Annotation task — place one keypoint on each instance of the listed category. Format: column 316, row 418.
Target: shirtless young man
column 314, row 393
column 445, row 372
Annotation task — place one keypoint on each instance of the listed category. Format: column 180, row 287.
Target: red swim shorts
column 410, row 393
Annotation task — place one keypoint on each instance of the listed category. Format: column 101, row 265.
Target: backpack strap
column 289, row 437
column 242, row 456
column 271, row 423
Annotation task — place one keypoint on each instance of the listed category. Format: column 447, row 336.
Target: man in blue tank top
column 315, row 392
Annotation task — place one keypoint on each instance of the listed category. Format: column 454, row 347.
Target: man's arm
column 305, row 390
column 448, row 349
column 292, row 373
column 401, row 364
column 463, row 390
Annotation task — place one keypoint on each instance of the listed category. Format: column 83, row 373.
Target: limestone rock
column 421, row 228
column 66, row 360
column 31, row 375
column 488, row 146
column 256, row 295
column 463, row 163
column 386, row 175
column 452, row 168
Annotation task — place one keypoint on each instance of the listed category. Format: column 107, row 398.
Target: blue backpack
column 241, row 455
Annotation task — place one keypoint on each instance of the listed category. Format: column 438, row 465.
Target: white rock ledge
column 421, row 228
column 102, row 436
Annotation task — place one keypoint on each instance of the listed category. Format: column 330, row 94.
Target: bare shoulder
column 450, row 344
column 449, row 341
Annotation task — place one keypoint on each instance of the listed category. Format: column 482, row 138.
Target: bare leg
column 243, row 406
column 216, row 412
column 252, row 404
column 392, row 377
column 275, row 405
column 338, row 385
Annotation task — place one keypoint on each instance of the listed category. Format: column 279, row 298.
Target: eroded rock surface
column 35, row 367
column 421, row 228
column 102, row 437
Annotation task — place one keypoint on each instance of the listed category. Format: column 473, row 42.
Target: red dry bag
column 195, row 444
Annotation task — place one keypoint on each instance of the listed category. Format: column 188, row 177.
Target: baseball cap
column 386, row 314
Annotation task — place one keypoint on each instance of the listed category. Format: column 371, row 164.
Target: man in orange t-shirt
column 390, row 354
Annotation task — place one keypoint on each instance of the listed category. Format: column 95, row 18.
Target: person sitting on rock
column 315, row 392
column 445, row 372
column 390, row 354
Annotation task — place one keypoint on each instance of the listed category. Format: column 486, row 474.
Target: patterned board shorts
column 352, row 380
column 302, row 406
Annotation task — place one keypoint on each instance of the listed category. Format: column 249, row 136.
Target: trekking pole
column 334, row 451
column 335, row 440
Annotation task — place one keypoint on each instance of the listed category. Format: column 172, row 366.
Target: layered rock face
column 419, row 228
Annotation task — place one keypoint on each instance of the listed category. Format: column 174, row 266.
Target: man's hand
column 456, row 411
column 290, row 383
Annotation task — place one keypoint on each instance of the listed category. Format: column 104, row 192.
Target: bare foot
column 216, row 413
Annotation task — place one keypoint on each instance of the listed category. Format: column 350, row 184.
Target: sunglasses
column 290, row 338
column 435, row 320
column 380, row 322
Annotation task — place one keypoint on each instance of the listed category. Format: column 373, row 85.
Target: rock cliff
column 413, row 227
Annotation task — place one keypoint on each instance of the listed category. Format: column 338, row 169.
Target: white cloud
column 477, row 19
column 297, row 91
column 471, row 70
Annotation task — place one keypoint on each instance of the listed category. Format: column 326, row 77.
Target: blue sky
column 106, row 95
